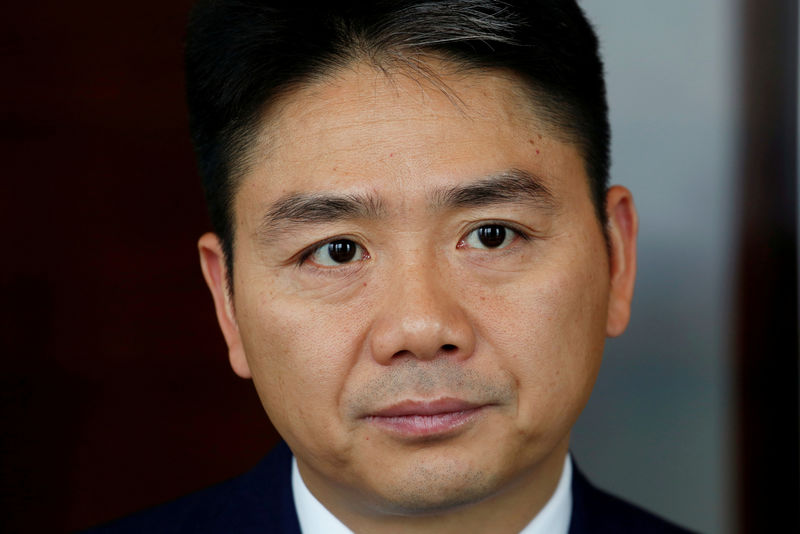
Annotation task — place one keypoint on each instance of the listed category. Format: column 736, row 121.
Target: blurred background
column 660, row 425
column 115, row 392
column 703, row 98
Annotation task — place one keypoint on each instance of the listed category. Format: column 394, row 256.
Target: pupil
column 492, row 236
column 342, row 251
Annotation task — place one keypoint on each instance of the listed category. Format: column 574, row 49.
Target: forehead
column 363, row 127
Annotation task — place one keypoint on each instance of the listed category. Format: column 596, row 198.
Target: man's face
column 421, row 290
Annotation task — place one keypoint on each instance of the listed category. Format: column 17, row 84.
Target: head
column 244, row 56
column 416, row 255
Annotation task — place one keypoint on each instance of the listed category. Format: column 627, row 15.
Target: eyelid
column 520, row 231
column 302, row 258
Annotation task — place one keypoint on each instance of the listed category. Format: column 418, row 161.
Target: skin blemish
column 537, row 150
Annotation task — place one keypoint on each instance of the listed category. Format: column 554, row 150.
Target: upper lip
column 425, row 407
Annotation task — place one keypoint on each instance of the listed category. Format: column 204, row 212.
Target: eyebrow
column 317, row 208
column 513, row 186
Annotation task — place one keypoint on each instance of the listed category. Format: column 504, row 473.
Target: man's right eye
column 338, row 252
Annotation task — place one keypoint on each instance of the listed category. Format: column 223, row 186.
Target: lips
column 439, row 417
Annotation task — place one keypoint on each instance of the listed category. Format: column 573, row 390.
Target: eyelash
column 517, row 231
column 305, row 255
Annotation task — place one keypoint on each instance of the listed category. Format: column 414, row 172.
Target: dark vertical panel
column 767, row 359
column 115, row 392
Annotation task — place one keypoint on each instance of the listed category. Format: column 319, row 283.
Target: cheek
column 548, row 331
column 300, row 356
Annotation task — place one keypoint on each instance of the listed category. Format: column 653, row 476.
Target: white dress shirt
column 316, row 519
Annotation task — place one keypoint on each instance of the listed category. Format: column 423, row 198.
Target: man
column 416, row 258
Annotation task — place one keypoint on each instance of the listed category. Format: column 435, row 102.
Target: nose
column 421, row 318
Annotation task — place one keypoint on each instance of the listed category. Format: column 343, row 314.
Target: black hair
column 243, row 55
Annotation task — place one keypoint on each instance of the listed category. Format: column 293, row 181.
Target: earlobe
column 623, row 225
column 212, row 262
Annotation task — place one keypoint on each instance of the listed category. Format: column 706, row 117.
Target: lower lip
column 426, row 425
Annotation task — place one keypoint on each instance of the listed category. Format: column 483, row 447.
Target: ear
column 623, row 225
column 212, row 261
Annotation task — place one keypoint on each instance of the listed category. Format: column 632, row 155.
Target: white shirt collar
column 552, row 519
column 314, row 518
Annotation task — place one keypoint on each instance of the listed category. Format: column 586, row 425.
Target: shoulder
column 597, row 512
column 257, row 501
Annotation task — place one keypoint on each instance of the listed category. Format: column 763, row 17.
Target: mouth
column 426, row 419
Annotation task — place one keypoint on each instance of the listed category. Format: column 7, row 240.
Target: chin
column 429, row 490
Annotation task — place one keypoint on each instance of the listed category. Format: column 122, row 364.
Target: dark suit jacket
column 260, row 501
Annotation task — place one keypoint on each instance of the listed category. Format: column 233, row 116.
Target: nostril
column 449, row 348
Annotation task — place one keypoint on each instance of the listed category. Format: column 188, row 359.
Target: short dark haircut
column 244, row 55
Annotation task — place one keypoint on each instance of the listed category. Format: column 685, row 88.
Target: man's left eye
column 490, row 236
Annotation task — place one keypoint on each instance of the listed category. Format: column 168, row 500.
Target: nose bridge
column 422, row 316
